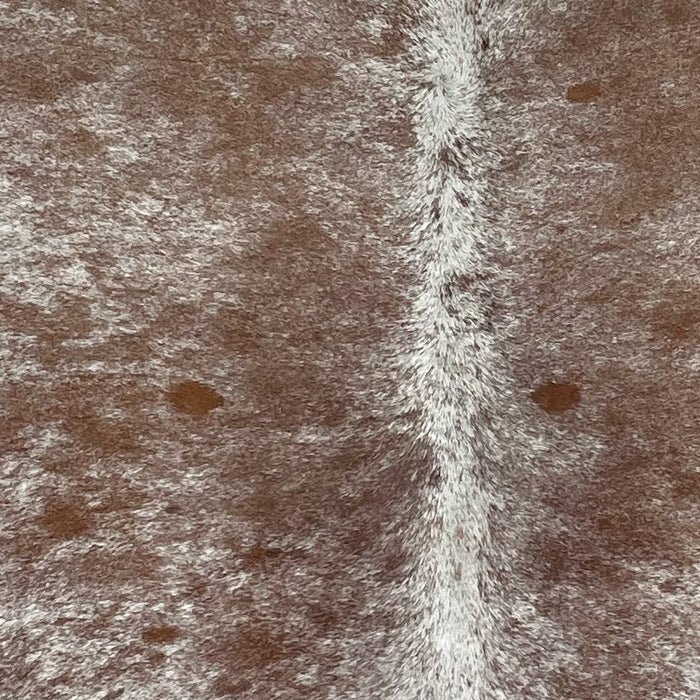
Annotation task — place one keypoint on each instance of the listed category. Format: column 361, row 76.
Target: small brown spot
column 65, row 520
column 160, row 635
column 556, row 397
column 583, row 92
column 195, row 398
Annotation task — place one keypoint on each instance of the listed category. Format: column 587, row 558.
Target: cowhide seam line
column 349, row 350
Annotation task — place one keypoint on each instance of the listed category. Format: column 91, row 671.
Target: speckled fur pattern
column 349, row 350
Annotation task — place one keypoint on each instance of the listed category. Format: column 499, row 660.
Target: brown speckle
column 160, row 635
column 194, row 398
column 556, row 397
column 65, row 520
column 583, row 92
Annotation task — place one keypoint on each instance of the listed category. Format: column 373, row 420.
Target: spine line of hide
column 449, row 369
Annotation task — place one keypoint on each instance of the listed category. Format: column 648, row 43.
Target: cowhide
column 349, row 349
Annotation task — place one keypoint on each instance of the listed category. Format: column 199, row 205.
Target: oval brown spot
column 65, row 520
column 195, row 398
column 556, row 397
column 583, row 92
column 160, row 635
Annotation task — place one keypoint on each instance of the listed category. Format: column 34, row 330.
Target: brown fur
column 349, row 350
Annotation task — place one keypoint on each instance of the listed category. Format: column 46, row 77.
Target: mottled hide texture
column 349, row 349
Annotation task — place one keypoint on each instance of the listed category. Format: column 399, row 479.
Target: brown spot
column 583, row 92
column 160, row 635
column 556, row 397
column 195, row 398
column 65, row 520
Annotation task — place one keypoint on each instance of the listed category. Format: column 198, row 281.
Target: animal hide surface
column 349, row 349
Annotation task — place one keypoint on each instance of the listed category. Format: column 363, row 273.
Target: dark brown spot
column 583, row 92
column 65, row 520
column 160, row 635
column 556, row 397
column 195, row 398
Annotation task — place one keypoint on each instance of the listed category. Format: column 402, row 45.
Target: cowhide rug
column 350, row 349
